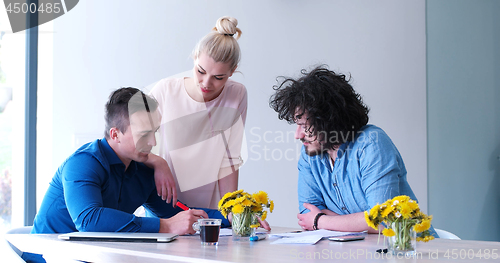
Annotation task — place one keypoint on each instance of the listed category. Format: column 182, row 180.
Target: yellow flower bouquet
column 403, row 219
column 245, row 208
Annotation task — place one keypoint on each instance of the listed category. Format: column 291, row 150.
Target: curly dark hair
column 334, row 110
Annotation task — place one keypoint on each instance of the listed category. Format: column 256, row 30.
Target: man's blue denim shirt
column 92, row 191
column 367, row 171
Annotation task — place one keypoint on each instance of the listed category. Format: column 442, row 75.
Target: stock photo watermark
column 364, row 254
column 351, row 254
column 25, row 14
column 267, row 145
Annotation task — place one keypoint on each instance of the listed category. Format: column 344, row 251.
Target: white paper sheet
column 321, row 232
column 305, row 239
column 225, row 232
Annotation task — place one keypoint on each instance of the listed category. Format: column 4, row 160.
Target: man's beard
column 313, row 152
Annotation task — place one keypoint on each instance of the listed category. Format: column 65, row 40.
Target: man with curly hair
column 346, row 166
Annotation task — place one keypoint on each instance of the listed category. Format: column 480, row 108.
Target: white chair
column 20, row 230
column 446, row 235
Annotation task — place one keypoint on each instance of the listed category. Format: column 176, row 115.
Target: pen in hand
column 184, row 207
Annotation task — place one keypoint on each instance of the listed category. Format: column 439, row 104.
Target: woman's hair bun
column 221, row 43
column 228, row 26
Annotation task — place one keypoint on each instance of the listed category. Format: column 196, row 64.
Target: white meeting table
column 189, row 249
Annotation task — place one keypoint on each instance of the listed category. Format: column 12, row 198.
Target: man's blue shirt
column 367, row 171
column 92, row 192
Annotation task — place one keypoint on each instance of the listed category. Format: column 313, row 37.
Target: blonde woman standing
column 203, row 120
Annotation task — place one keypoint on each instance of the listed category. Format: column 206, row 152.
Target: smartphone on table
column 346, row 238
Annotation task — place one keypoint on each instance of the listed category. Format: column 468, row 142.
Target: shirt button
column 335, row 184
column 343, row 208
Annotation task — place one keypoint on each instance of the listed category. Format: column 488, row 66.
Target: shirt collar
column 341, row 150
column 113, row 159
column 109, row 153
column 326, row 160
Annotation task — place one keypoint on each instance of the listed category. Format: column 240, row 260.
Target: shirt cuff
column 150, row 224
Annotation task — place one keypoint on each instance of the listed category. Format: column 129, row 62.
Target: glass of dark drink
column 209, row 231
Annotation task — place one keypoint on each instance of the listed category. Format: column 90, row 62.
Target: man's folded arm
column 83, row 179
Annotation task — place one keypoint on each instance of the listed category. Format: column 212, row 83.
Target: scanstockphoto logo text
column 431, row 254
column 268, row 145
column 351, row 254
column 25, row 14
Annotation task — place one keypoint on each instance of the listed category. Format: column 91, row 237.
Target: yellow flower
column 240, row 199
column 260, row 197
column 224, row 213
column 374, row 211
column 413, row 205
column 401, row 199
column 239, row 202
column 388, row 232
column 247, row 203
column 264, row 215
column 405, row 210
column 238, row 209
column 224, row 198
column 400, row 209
column 428, row 238
column 368, row 221
column 228, row 204
column 387, row 210
column 425, row 239
column 424, row 225
column 255, row 226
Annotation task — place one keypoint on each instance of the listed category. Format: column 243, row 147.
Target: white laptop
column 118, row 236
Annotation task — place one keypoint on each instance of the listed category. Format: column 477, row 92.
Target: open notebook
column 118, row 236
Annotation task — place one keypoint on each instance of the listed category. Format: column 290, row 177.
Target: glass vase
column 241, row 226
column 404, row 242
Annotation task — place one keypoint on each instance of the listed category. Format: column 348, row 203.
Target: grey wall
column 102, row 45
column 463, row 65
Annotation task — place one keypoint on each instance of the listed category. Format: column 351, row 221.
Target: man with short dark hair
column 346, row 166
column 98, row 188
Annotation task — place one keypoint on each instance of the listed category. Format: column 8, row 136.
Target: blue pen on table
column 258, row 237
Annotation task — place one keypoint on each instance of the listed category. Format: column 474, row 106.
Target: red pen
column 182, row 206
